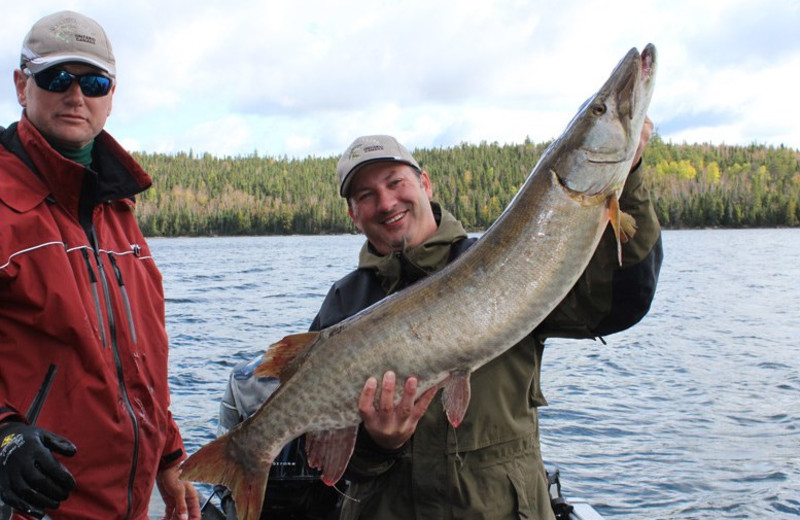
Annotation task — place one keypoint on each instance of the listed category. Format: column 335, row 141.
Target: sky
column 300, row 78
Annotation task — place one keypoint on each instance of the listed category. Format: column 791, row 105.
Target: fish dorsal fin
column 280, row 354
column 455, row 396
column 329, row 451
column 624, row 225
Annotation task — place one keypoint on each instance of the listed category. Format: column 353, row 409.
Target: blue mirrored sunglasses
column 59, row 80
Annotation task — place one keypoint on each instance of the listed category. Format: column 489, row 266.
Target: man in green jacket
column 409, row 463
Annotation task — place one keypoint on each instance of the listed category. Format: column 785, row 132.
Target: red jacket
column 94, row 313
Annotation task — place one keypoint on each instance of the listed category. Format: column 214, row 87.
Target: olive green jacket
column 491, row 466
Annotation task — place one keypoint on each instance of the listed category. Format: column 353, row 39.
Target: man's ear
column 111, row 101
column 20, row 83
column 353, row 217
column 426, row 183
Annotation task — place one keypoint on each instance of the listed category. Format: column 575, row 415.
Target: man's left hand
column 179, row 496
column 644, row 138
column 390, row 425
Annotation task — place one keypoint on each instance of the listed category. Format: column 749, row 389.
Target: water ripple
column 691, row 414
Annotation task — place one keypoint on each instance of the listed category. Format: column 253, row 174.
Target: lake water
column 692, row 414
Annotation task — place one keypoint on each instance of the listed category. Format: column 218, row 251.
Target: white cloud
column 305, row 78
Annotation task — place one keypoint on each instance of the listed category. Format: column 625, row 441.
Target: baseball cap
column 65, row 37
column 368, row 149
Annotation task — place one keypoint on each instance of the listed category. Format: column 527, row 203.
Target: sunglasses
column 59, row 80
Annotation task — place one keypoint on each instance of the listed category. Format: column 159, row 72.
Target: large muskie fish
column 444, row 327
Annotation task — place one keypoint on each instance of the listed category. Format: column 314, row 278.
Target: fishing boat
column 244, row 395
column 218, row 505
column 582, row 510
column 572, row 509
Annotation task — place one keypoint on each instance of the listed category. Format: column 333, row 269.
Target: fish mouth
column 648, row 59
column 598, row 157
column 607, row 127
column 628, row 93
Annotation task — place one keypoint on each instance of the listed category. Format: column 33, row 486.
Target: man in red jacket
column 85, row 426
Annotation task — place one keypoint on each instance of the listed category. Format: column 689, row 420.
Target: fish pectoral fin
column 330, row 450
column 456, row 395
column 628, row 226
column 624, row 225
column 281, row 353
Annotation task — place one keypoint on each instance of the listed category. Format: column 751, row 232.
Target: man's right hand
column 31, row 479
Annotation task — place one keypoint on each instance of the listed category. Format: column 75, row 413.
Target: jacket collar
column 122, row 177
column 402, row 268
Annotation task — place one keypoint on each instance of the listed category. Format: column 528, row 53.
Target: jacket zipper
column 125, row 299
column 96, row 297
column 118, row 361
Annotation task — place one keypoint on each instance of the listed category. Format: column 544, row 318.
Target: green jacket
column 491, row 466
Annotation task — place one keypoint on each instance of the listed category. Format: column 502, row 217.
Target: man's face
column 68, row 119
column 390, row 203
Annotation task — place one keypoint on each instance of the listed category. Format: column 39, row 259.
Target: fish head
column 594, row 155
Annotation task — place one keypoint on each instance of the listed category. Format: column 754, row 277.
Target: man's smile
column 396, row 218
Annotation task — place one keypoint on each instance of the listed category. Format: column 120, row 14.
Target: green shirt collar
column 81, row 156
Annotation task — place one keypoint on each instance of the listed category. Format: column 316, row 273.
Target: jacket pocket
column 531, row 488
column 517, row 481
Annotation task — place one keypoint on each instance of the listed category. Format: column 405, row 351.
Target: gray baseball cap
column 369, row 149
column 65, row 37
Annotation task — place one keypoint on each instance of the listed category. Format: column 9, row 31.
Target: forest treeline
column 692, row 186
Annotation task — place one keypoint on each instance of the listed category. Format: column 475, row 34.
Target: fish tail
column 212, row 464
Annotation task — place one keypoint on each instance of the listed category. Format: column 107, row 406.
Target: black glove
column 31, row 479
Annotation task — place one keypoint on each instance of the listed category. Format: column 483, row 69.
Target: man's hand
column 31, row 479
column 390, row 425
column 179, row 496
column 644, row 138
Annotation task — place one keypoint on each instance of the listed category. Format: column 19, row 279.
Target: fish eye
column 598, row 109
